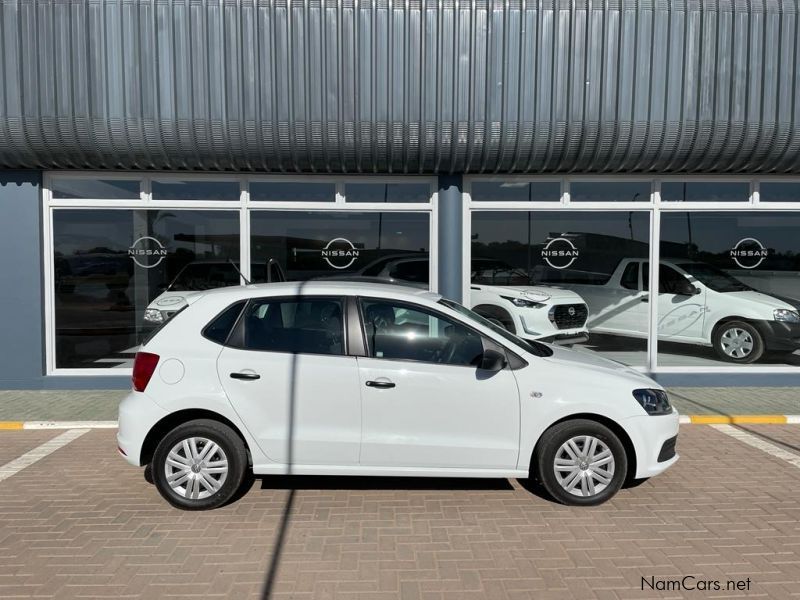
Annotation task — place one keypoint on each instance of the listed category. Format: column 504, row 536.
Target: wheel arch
column 614, row 426
column 173, row 420
column 727, row 319
column 496, row 311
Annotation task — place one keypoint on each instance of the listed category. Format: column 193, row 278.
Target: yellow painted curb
column 738, row 419
column 11, row 425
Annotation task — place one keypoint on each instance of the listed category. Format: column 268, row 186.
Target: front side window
column 399, row 331
column 293, row 325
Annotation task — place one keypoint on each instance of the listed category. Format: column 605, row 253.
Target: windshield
column 714, row 278
column 496, row 272
column 205, row 276
column 535, row 348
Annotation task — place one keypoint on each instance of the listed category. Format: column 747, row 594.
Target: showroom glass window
column 573, row 258
column 744, row 271
column 316, row 244
column 110, row 265
column 512, row 191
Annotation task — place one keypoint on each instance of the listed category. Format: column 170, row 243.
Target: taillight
column 144, row 366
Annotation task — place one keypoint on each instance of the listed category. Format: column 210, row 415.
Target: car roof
column 324, row 287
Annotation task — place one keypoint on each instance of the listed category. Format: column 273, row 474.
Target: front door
column 425, row 401
column 287, row 376
column 680, row 314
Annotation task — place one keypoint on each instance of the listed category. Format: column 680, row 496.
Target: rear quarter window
column 220, row 326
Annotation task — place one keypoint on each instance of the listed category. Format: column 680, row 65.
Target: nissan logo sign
column 339, row 253
column 147, row 252
column 748, row 253
column 560, row 253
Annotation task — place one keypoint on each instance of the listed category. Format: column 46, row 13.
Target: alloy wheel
column 584, row 465
column 196, row 468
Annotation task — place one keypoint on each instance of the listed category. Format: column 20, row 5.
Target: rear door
column 425, row 401
column 287, row 375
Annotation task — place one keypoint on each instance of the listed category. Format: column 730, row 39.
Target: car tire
column 738, row 342
column 564, row 463
column 191, row 473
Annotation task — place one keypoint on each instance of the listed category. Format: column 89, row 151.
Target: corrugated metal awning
column 501, row 86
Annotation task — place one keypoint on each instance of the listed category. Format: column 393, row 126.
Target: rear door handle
column 383, row 385
column 245, row 376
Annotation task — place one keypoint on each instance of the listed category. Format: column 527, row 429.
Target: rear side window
column 293, row 325
column 219, row 329
column 630, row 277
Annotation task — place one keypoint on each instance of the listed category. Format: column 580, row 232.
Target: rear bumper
column 137, row 416
column 650, row 436
column 779, row 335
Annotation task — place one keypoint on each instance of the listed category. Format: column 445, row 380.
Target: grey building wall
column 21, row 299
column 416, row 86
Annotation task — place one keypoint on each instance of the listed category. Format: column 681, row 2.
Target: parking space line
column 38, row 453
column 757, row 442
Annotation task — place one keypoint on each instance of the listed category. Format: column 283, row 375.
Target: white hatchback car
column 342, row 378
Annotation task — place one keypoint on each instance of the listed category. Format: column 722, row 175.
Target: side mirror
column 688, row 290
column 492, row 360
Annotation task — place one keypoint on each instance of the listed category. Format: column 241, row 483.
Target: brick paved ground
column 101, row 405
column 12, row 446
column 59, row 405
column 82, row 524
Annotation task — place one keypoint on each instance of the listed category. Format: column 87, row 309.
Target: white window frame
column 244, row 206
column 655, row 207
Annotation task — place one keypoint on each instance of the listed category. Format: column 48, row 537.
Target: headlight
column 789, row 316
column 521, row 302
column 153, row 315
column 655, row 402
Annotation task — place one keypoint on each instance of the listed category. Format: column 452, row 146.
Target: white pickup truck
column 697, row 304
column 503, row 294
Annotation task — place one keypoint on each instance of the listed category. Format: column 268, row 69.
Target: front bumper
column 649, row 435
column 138, row 413
column 779, row 335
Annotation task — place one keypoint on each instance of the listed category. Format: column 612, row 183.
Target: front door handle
column 643, row 299
column 246, row 376
column 382, row 385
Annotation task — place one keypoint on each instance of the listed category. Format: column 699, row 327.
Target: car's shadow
column 350, row 482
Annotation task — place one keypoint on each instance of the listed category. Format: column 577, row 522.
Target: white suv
column 505, row 295
column 339, row 378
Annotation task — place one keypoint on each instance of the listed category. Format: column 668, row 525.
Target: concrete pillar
column 451, row 244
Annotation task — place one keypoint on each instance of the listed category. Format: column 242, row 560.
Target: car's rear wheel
column 199, row 465
column 581, row 462
column 738, row 342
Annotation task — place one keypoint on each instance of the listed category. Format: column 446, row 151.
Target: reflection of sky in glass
column 719, row 232
column 404, row 231
column 506, row 191
column 704, row 191
column 489, row 227
column 609, row 191
column 776, row 191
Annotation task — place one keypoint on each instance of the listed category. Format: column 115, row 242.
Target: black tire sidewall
column 217, row 432
column 758, row 342
column 551, row 441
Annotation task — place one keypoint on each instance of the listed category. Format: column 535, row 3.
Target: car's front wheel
column 738, row 342
column 580, row 462
column 199, row 465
